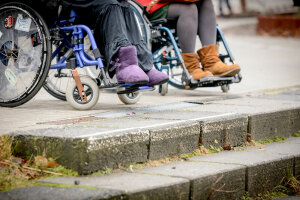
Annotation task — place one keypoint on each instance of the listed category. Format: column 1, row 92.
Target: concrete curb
column 225, row 175
column 96, row 145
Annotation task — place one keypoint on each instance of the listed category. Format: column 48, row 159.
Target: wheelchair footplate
column 214, row 81
column 130, row 88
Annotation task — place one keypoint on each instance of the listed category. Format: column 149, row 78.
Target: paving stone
column 206, row 178
column 89, row 154
column 247, row 105
column 173, row 140
column 267, row 117
column 221, row 131
column 186, row 113
column 68, row 152
column 290, row 96
column 50, row 193
column 277, row 123
column 292, row 140
column 289, row 147
column 129, row 122
column 134, row 186
column 264, row 170
column 284, row 147
column 120, row 148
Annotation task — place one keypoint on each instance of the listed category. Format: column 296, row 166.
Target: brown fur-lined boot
column 192, row 64
column 210, row 61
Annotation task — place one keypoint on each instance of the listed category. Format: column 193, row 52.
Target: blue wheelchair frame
column 82, row 59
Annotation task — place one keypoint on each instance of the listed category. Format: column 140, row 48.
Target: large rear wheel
column 25, row 52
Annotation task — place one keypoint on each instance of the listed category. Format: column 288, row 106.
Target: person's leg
column 209, row 55
column 143, row 53
column 187, row 22
column 207, row 22
column 221, row 7
column 119, row 52
column 123, row 47
column 229, row 6
column 187, row 25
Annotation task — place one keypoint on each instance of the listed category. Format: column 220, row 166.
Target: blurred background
column 274, row 17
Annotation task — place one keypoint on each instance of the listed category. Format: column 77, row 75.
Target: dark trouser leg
column 116, row 27
column 221, row 7
column 229, row 6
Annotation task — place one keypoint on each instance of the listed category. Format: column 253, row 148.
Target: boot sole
column 137, row 83
column 229, row 73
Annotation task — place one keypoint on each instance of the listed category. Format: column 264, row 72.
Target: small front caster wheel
column 225, row 88
column 91, row 91
column 129, row 98
column 163, row 89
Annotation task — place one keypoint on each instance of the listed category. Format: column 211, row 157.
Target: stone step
column 225, row 175
column 137, row 135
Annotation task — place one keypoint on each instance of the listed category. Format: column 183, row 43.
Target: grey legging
column 194, row 19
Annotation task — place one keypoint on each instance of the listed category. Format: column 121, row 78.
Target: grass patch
column 9, row 179
column 106, row 170
column 296, row 134
column 17, row 172
column 66, row 172
column 266, row 196
column 5, row 146
column 213, row 149
column 275, row 139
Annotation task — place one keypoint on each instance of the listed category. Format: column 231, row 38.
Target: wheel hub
column 8, row 51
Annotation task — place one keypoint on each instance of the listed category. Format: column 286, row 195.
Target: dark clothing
column 114, row 26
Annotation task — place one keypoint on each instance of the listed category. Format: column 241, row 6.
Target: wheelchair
column 162, row 40
column 68, row 72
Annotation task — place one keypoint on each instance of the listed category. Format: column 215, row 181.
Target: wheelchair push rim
column 25, row 51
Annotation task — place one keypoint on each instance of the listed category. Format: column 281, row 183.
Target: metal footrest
column 211, row 82
column 134, row 88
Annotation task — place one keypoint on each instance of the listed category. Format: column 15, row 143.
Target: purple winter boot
column 127, row 69
column 156, row 77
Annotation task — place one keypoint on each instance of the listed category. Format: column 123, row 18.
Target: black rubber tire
column 54, row 93
column 57, row 93
column 43, row 69
column 91, row 90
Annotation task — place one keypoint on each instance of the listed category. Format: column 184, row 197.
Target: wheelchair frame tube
column 82, row 60
column 225, row 43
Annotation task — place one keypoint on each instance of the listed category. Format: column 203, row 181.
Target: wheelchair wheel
column 163, row 89
column 55, row 84
column 57, row 81
column 225, row 88
column 142, row 21
column 91, row 90
column 130, row 98
column 25, row 53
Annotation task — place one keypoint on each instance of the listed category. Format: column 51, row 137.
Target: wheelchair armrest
column 159, row 22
